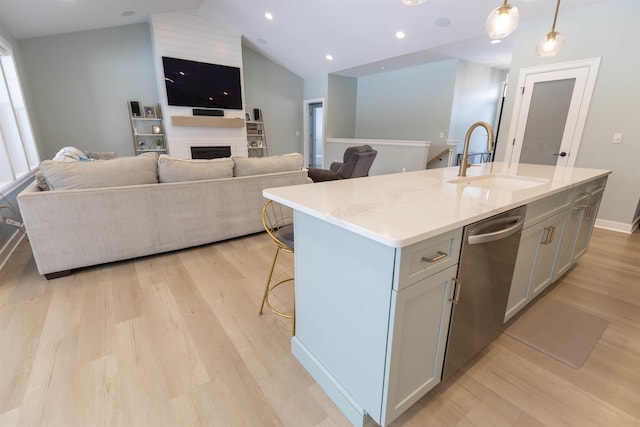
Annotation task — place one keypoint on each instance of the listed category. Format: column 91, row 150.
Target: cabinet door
column 567, row 245
column 420, row 317
column 525, row 262
column 589, row 211
column 550, row 237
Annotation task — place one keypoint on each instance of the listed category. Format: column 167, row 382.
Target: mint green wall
column 79, row 84
column 412, row 103
column 316, row 87
column 341, row 107
column 278, row 93
column 610, row 31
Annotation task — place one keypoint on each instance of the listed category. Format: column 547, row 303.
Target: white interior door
column 551, row 107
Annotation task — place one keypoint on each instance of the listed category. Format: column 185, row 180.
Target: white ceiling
column 360, row 34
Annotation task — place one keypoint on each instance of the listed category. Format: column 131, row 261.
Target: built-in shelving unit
column 147, row 132
column 257, row 137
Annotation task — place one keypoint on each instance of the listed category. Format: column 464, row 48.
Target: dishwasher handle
column 514, row 225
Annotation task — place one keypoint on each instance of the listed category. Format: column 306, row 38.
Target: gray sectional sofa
column 111, row 210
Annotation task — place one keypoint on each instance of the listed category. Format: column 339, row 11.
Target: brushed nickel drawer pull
column 552, row 234
column 439, row 255
column 456, row 293
column 546, row 240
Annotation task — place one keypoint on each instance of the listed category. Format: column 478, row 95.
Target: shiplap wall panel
column 187, row 35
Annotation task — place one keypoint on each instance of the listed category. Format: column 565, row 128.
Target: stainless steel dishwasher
column 485, row 270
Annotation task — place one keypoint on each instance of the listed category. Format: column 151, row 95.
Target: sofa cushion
column 246, row 166
column 121, row 171
column 176, row 169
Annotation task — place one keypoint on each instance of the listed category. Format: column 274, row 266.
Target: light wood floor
column 175, row 340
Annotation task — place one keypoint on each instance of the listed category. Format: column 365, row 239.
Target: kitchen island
column 376, row 261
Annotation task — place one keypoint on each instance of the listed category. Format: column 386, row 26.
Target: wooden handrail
column 437, row 156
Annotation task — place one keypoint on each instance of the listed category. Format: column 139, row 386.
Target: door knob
column 561, row 154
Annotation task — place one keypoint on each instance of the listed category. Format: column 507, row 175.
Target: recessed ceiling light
column 329, row 57
column 443, row 22
column 400, row 35
column 269, row 16
column 412, row 2
column 128, row 13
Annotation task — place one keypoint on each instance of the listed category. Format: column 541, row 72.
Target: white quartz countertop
column 405, row 208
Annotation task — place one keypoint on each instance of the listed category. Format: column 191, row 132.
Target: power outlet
column 617, row 138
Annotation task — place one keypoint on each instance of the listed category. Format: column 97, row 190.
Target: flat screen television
column 198, row 84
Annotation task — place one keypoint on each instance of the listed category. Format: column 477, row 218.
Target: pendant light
column 552, row 42
column 502, row 21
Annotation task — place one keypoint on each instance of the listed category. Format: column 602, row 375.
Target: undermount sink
column 500, row 182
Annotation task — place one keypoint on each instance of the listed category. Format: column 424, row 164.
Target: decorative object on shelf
column 551, row 43
column 134, row 109
column 158, row 143
column 247, row 116
column 140, row 143
column 502, row 21
column 155, row 129
column 149, row 112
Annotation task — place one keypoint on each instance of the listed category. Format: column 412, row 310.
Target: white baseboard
column 616, row 226
column 10, row 247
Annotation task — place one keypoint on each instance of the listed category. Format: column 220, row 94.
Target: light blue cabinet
column 371, row 320
column 557, row 232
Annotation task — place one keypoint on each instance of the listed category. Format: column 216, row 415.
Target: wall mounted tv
column 198, row 84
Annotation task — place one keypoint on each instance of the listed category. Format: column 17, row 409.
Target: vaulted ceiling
column 360, row 35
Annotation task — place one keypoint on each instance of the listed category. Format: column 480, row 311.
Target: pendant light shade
column 552, row 42
column 502, row 21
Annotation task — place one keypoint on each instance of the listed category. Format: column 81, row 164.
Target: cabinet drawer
column 423, row 259
column 547, row 207
column 589, row 188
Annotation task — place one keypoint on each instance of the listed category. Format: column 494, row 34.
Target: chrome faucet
column 464, row 163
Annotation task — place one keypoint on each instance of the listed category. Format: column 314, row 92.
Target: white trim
column 592, row 64
column 11, row 186
column 10, row 247
column 305, row 126
column 390, row 142
column 616, row 226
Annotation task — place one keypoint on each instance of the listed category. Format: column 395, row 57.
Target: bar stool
column 278, row 222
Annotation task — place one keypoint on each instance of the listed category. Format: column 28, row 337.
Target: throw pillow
column 176, row 169
column 246, row 166
column 121, row 171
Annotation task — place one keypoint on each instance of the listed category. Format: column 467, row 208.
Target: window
column 18, row 152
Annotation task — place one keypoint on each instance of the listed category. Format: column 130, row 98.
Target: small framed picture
column 150, row 112
column 247, row 117
column 155, row 129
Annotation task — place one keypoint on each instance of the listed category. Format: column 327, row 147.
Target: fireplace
column 212, row 152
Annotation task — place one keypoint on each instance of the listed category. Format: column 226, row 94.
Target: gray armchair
column 356, row 163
